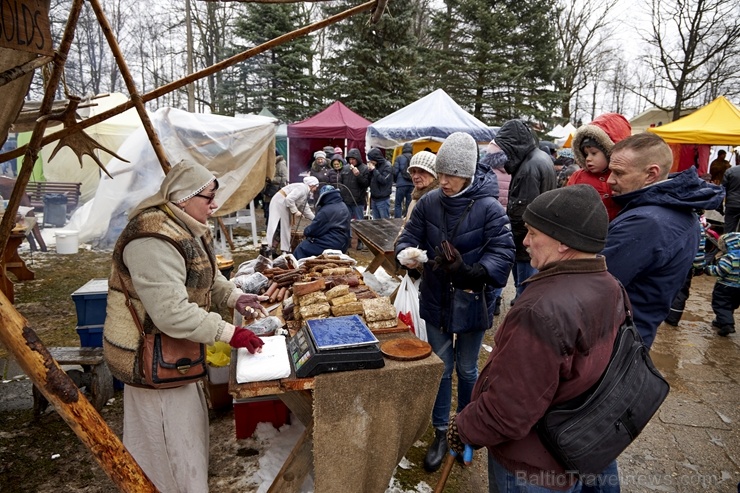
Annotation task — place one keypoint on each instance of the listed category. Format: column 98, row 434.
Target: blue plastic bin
column 91, row 301
column 90, row 335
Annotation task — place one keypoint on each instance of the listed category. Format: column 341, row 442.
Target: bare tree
column 583, row 31
column 693, row 45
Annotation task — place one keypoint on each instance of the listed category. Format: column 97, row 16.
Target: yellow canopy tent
column 717, row 123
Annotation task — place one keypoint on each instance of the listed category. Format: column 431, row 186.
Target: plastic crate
column 91, row 301
column 90, row 335
column 249, row 412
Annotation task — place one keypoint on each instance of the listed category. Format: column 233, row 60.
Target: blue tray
column 340, row 332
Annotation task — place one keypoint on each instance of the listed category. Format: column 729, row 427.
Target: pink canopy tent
column 337, row 126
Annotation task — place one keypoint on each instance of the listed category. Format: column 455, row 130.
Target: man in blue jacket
column 652, row 242
column 329, row 229
column 402, row 178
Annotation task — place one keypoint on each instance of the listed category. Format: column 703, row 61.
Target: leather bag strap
column 130, row 306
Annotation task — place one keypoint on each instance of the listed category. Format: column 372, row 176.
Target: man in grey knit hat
column 553, row 345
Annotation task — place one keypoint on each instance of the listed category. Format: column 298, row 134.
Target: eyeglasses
column 209, row 198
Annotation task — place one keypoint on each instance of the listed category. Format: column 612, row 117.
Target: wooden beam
column 17, row 72
column 70, row 403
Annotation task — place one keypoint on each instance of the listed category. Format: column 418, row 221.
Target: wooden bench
column 95, row 376
column 37, row 189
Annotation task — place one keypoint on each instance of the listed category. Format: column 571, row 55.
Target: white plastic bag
column 407, row 303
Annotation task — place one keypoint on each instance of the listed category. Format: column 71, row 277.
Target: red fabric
column 336, row 126
column 599, row 183
column 615, row 125
column 686, row 155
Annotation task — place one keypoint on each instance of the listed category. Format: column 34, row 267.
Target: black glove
column 450, row 261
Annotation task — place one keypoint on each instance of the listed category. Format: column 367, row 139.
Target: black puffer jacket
column 354, row 188
column 381, row 178
column 532, row 173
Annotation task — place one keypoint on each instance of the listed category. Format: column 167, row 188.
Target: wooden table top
column 380, row 232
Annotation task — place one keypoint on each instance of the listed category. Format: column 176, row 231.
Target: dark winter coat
column 354, row 188
column 381, row 178
column 650, row 245
column 483, row 237
column 401, row 167
column 531, row 171
column 329, row 229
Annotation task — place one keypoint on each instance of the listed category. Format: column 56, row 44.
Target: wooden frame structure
column 20, row 339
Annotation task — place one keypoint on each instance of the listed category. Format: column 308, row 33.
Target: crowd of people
column 620, row 233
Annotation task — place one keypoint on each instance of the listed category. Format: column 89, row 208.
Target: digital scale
column 334, row 344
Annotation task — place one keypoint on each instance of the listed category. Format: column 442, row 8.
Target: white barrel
column 67, row 241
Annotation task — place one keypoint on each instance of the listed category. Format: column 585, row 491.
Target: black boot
column 497, row 306
column 726, row 330
column 436, row 452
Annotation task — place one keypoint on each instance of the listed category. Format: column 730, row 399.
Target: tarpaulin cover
column 435, row 116
column 717, row 123
column 239, row 151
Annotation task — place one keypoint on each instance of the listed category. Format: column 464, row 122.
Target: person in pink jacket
column 592, row 146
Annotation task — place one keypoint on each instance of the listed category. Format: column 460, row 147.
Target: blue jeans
column 524, row 271
column 605, row 482
column 464, row 359
column 356, row 211
column 501, row 480
column 381, row 208
column 403, row 198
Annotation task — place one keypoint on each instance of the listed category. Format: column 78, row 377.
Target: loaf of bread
column 379, row 309
column 337, row 291
column 315, row 310
column 354, row 308
column 382, row 324
column 310, row 298
column 343, row 300
column 304, row 288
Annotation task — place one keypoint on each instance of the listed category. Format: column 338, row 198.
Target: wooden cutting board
column 406, row 349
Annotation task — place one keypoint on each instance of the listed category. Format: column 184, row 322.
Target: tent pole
column 131, row 86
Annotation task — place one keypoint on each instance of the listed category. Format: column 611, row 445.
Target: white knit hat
column 424, row 160
column 458, row 155
column 311, row 181
column 319, row 154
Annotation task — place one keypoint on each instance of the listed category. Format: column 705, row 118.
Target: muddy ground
column 691, row 445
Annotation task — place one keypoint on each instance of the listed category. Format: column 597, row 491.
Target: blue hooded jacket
column 651, row 244
column 330, row 228
column 483, row 237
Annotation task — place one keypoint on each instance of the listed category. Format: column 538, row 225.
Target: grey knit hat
column 458, row 155
column 424, row 160
column 573, row 215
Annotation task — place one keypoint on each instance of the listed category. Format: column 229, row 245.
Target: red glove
column 245, row 338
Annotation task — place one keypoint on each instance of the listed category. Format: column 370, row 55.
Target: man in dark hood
column 329, row 229
column 381, row 183
column 532, row 173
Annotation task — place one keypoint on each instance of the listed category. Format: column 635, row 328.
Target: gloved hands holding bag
column 249, row 306
column 448, row 257
column 245, row 338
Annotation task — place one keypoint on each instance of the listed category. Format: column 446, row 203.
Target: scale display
column 340, row 332
column 341, row 345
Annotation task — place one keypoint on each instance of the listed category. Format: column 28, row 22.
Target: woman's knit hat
column 573, row 215
column 319, row 154
column 458, row 155
column 603, row 132
column 424, row 160
column 311, row 181
column 185, row 180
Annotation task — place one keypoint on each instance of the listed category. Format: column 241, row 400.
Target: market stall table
column 359, row 424
column 379, row 235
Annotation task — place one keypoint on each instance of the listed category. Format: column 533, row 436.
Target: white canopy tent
column 433, row 117
column 562, row 134
column 239, row 151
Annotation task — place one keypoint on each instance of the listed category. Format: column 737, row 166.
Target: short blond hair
column 648, row 148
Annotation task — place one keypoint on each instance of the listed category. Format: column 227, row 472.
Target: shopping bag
column 407, row 307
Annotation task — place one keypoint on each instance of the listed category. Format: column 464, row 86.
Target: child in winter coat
column 726, row 294
column 592, row 146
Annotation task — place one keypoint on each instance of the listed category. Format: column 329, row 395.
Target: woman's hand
column 249, row 306
column 247, row 339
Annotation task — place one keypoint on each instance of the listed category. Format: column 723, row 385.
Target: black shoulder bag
column 588, row 432
column 468, row 309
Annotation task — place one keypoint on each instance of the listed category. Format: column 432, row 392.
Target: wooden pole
column 69, row 402
column 17, row 72
column 225, row 232
column 167, row 88
column 131, row 86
